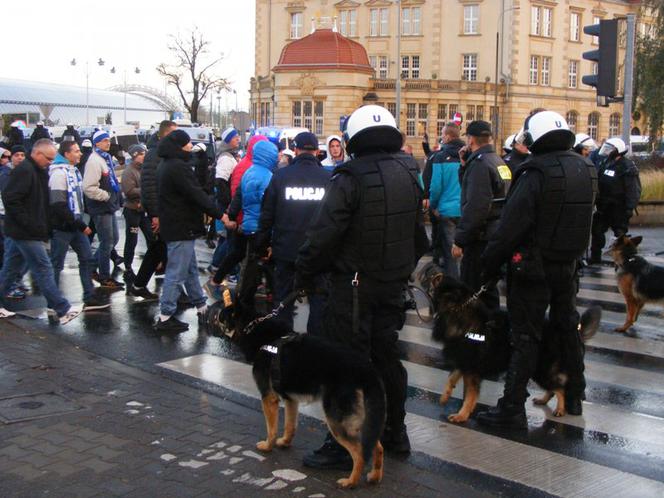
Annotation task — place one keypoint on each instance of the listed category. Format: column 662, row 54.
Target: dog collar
column 474, row 336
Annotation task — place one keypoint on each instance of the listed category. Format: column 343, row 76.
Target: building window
column 308, row 114
column 614, row 125
column 379, row 63
column 454, row 108
column 541, row 21
column 349, row 22
column 411, row 21
column 572, row 117
column 546, row 71
column 471, row 19
column 593, row 125
column 575, row 26
column 492, row 115
column 573, row 78
column 594, row 40
column 423, row 118
column 378, row 22
column 469, row 67
column 441, row 119
column 479, row 113
column 410, row 66
column 296, row 25
column 533, row 79
column 470, row 113
column 411, row 114
column 392, row 107
column 265, row 114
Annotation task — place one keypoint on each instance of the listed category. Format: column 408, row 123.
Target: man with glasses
column 26, row 224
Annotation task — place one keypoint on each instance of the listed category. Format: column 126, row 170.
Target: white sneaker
column 73, row 312
column 52, row 316
column 5, row 313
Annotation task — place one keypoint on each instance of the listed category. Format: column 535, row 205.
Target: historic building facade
column 317, row 60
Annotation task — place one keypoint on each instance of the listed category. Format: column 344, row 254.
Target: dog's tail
column 374, row 418
column 589, row 324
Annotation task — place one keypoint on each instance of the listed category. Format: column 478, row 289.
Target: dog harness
column 275, row 363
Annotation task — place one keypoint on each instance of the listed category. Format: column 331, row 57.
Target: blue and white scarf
column 111, row 168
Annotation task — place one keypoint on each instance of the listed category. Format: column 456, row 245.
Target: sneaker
column 73, row 312
column 212, row 290
column 111, row 284
column 329, row 456
column 5, row 313
column 143, row 292
column 15, row 293
column 172, row 325
column 211, row 269
column 95, row 303
column 52, row 316
column 230, row 280
column 210, row 244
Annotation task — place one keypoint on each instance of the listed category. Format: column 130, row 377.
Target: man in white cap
column 226, row 162
column 102, row 190
column 39, row 132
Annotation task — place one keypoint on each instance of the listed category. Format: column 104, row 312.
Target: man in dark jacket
column 484, row 183
column 293, row 195
column 368, row 233
column 182, row 204
column 156, row 253
column 39, row 132
column 619, row 194
column 544, row 229
column 71, row 134
column 27, row 225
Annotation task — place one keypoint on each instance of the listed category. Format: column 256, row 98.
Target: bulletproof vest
column 611, row 181
column 566, row 207
column 380, row 239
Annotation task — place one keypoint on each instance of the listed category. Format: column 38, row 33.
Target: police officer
column 293, row 195
column 484, row 182
column 369, row 234
column 544, row 228
column 619, row 194
column 584, row 144
column 516, row 157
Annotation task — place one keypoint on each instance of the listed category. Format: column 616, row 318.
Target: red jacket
column 244, row 164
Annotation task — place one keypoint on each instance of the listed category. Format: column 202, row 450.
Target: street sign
column 458, row 119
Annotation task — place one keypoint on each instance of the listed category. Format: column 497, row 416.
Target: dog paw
column 346, row 483
column 457, row 418
column 283, row 442
column 540, row 401
column 444, row 398
column 264, row 446
column 375, row 476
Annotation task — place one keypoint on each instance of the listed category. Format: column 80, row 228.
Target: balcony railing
column 431, row 85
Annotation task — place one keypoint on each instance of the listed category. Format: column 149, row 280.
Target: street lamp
column 124, row 87
column 499, row 31
column 100, row 62
column 219, row 109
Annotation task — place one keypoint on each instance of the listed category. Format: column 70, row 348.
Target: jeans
column 78, row 241
column 182, row 269
column 443, row 243
column 33, row 252
column 135, row 221
column 107, row 230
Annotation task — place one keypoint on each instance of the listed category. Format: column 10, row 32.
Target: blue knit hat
column 228, row 134
column 99, row 136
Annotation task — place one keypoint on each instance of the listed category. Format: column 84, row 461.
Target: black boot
column 329, row 456
column 504, row 415
column 396, row 441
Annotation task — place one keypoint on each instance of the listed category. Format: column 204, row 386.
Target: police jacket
column 149, row 192
column 444, row 186
column 39, row 133
column 73, row 133
column 514, row 159
column 291, row 198
column 619, row 184
column 549, row 208
column 370, row 221
column 484, row 183
column 254, row 182
column 182, row 201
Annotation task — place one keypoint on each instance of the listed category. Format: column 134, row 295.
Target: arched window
column 572, row 117
column 614, row 125
column 593, row 125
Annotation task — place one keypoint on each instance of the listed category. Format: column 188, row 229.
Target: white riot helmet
column 611, row 144
column 547, row 131
column 509, row 143
column 584, row 141
column 372, row 127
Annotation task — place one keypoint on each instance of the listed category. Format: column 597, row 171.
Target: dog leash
column 290, row 299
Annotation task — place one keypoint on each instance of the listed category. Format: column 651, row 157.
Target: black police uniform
column 289, row 202
column 483, row 189
column 544, row 229
column 514, row 159
column 619, row 194
column 369, row 234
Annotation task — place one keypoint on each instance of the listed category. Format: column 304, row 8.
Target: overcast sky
column 39, row 44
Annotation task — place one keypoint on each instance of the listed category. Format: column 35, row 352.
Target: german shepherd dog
column 300, row 367
column 639, row 281
column 476, row 342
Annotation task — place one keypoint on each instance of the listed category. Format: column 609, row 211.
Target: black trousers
column 156, row 253
column 614, row 217
column 237, row 249
column 471, row 273
column 381, row 316
column 527, row 302
column 135, row 221
column 284, row 277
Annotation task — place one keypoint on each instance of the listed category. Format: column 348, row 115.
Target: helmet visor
column 606, row 150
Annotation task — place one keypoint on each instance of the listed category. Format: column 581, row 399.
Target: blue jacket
column 254, row 182
column 445, row 187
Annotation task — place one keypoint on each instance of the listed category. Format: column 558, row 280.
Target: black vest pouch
column 527, row 264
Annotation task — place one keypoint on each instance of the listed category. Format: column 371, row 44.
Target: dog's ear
column 436, row 280
column 636, row 240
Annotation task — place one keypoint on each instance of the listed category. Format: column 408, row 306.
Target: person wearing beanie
column 39, row 132
column 133, row 212
column 226, row 162
column 86, row 149
column 182, row 204
column 17, row 155
column 103, row 199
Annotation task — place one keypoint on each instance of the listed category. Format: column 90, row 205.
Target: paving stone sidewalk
column 140, row 434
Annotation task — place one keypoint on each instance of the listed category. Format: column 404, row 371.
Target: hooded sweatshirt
column 65, row 193
column 243, row 166
column 255, row 181
column 328, row 163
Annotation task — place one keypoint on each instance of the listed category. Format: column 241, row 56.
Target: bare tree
column 192, row 72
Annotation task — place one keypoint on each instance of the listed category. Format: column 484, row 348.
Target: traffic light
column 606, row 57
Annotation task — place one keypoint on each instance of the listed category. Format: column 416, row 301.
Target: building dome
column 324, row 49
